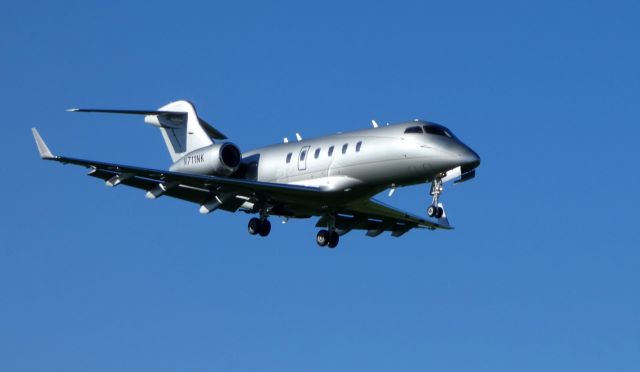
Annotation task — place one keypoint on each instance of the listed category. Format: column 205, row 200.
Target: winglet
column 45, row 153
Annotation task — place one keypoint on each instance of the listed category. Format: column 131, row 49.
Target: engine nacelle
column 219, row 159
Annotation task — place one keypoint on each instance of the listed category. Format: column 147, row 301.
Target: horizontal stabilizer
column 44, row 151
column 172, row 115
column 129, row 112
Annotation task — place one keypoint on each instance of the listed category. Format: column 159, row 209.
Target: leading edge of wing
column 183, row 178
column 282, row 191
column 190, row 179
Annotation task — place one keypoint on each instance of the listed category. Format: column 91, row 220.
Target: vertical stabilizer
column 182, row 133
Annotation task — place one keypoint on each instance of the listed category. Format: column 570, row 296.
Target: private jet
column 334, row 177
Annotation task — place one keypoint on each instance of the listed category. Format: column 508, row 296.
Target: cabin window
column 317, row 154
column 344, row 148
column 303, row 155
column 331, row 150
column 289, row 157
column 413, row 130
column 358, row 146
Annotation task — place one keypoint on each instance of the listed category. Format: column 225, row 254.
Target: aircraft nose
column 469, row 159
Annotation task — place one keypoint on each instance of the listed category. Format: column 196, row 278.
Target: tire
column 322, row 238
column 431, row 211
column 265, row 228
column 334, row 239
column 254, row 226
column 439, row 212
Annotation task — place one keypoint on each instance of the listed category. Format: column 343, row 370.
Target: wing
column 209, row 191
column 377, row 217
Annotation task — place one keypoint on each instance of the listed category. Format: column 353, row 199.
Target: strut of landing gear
column 434, row 209
column 259, row 226
column 326, row 237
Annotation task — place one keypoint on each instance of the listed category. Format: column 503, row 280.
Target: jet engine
column 219, row 159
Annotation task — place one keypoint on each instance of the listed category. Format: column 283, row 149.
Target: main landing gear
column 260, row 226
column 434, row 209
column 328, row 237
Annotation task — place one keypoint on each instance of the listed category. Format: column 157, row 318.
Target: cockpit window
column 438, row 131
column 413, row 130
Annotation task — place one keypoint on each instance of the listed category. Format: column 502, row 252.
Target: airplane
column 333, row 177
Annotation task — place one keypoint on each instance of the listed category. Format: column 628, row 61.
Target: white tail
column 183, row 131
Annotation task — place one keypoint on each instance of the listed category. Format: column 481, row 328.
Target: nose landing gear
column 435, row 209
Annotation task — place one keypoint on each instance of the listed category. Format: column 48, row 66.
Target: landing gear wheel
column 432, row 211
column 435, row 210
column 334, row 238
column 254, row 226
column 323, row 238
column 265, row 228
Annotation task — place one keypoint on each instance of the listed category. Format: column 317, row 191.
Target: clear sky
column 542, row 272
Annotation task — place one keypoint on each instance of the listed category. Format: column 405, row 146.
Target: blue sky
column 540, row 274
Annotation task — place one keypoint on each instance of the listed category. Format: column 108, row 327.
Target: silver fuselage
column 386, row 157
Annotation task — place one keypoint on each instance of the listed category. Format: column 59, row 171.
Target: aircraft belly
column 332, row 183
column 383, row 172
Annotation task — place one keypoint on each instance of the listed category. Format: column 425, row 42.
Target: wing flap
column 198, row 196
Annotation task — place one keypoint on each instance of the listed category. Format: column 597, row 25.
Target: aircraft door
column 302, row 158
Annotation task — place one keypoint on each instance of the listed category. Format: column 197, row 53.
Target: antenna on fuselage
column 373, row 122
column 298, row 137
column 392, row 189
column 286, row 140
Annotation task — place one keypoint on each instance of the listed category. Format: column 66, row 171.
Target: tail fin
column 183, row 131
